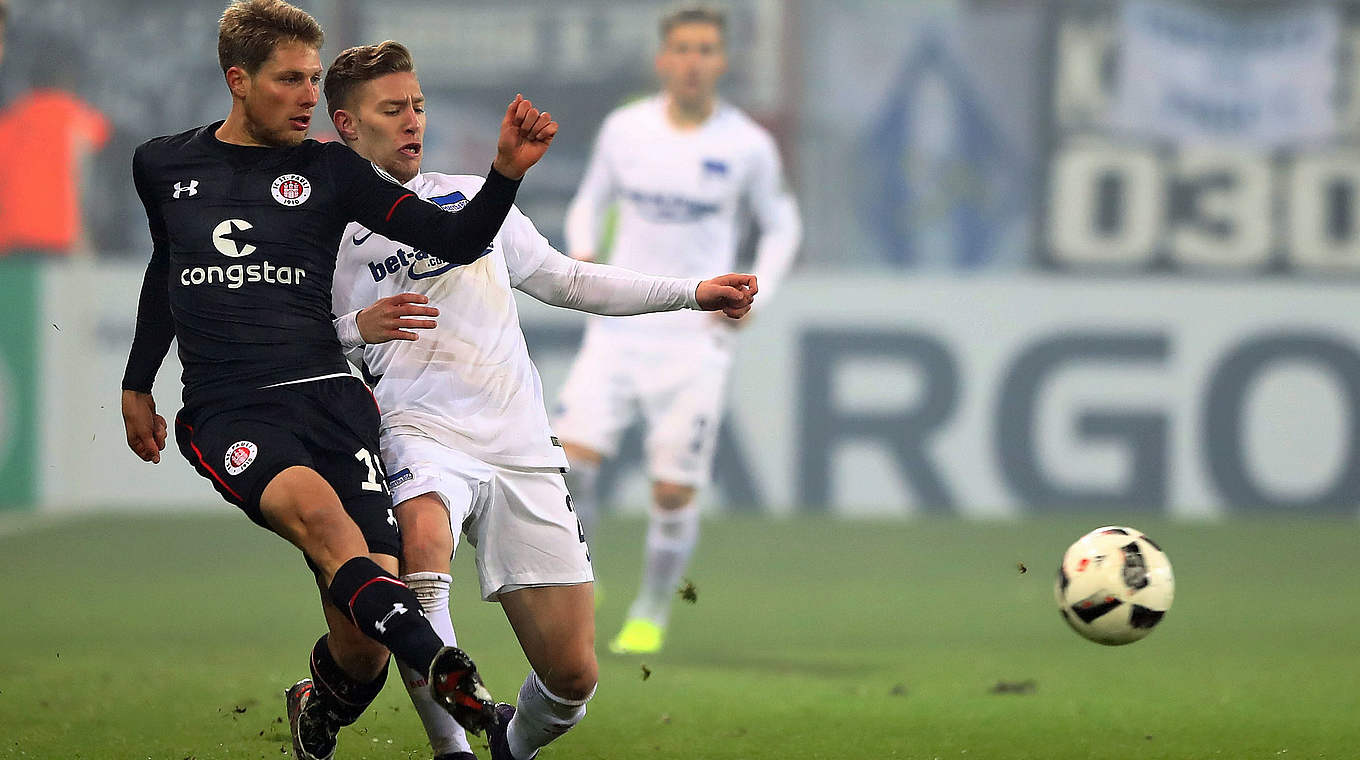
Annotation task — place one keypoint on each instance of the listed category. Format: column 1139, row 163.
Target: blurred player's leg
column 582, row 479
column 672, row 535
column 427, row 548
column 682, row 402
column 556, row 628
column 597, row 403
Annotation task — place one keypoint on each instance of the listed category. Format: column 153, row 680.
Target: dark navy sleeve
column 155, row 327
column 377, row 202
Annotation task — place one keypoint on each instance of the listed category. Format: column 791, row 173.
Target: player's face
column 691, row 61
column 281, row 95
column 389, row 118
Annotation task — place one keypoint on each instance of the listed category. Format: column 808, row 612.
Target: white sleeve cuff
column 692, row 294
column 347, row 330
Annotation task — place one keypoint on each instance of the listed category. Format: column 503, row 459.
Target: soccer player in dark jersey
column 245, row 217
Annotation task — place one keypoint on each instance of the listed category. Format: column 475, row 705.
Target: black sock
column 343, row 697
column 385, row 610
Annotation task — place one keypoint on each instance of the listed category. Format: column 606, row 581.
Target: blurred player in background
column 682, row 168
column 245, row 217
column 464, row 431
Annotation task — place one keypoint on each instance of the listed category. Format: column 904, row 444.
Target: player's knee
column 575, row 680
column 426, row 536
column 426, row 552
column 672, row 495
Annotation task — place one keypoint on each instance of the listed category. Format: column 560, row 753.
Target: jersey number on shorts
column 580, row 530
column 377, row 479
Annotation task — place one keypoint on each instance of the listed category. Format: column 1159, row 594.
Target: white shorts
column 519, row 519
column 678, row 388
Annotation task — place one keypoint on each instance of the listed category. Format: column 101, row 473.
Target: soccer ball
column 1114, row 585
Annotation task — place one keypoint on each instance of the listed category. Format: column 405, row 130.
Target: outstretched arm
column 615, row 291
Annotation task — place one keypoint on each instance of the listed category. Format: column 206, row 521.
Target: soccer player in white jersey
column 464, row 433
column 681, row 168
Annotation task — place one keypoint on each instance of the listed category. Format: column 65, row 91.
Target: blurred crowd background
column 1058, row 255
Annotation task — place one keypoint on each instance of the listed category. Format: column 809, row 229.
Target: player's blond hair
column 249, row 30
column 693, row 14
column 361, row 64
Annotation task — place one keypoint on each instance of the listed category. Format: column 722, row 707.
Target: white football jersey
column 468, row 382
column 682, row 198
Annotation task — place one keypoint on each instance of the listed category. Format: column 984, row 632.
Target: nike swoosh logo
column 358, row 241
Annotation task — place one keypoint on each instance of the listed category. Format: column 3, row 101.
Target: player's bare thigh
column 303, row 508
column 426, row 534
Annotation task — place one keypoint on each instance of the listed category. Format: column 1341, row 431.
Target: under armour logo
column 191, row 188
column 397, row 609
column 392, row 520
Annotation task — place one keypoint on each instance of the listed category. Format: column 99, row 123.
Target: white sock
column 672, row 535
column 432, row 589
column 540, row 717
column 582, row 482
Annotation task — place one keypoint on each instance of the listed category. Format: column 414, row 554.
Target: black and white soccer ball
column 1114, row 585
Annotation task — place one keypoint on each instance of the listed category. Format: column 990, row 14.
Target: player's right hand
column 145, row 429
column 525, row 136
column 732, row 294
column 393, row 318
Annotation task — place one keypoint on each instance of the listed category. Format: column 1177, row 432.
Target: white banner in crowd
column 985, row 397
column 1263, row 78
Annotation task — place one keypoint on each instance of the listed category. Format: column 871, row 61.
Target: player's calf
column 539, row 717
column 343, row 696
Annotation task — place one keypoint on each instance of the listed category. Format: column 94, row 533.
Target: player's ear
column 238, row 81
column 345, row 125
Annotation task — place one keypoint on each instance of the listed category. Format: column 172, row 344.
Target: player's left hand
column 145, row 429
column 393, row 318
column 525, row 136
column 732, row 294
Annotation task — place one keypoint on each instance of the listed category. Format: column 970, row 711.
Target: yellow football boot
column 638, row 636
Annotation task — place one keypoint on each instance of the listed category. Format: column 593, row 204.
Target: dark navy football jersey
column 245, row 240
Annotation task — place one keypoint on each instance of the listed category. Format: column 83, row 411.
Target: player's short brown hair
column 362, row 64
column 249, row 30
column 697, row 14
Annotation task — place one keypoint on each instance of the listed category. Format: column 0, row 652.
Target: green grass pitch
column 174, row 637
